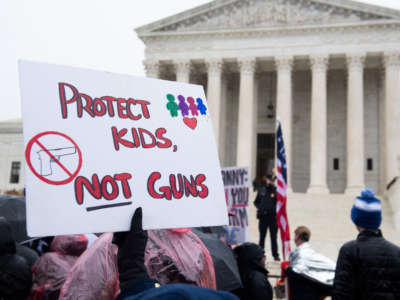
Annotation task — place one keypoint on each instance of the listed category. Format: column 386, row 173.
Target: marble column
column 223, row 122
column 152, row 68
column 382, row 131
column 245, row 133
column 214, row 74
column 182, row 70
column 284, row 108
column 355, row 124
column 318, row 159
column 392, row 115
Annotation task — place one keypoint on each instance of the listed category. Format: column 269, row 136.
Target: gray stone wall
column 301, row 131
column 231, row 115
column 11, row 149
column 337, row 94
column 266, row 96
column 371, row 125
column 337, row 101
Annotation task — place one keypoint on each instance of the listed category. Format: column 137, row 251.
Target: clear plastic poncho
column 94, row 276
column 51, row 269
column 179, row 257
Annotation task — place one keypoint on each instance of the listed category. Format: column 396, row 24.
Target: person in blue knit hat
column 368, row 267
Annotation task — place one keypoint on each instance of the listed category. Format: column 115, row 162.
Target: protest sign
column 99, row 145
column 236, row 183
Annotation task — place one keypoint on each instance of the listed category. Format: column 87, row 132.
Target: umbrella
column 226, row 270
column 13, row 209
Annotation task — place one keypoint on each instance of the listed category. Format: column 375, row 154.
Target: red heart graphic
column 190, row 122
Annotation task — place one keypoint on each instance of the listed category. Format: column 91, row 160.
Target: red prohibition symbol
column 53, row 155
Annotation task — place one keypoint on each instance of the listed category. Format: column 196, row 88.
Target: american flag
column 281, row 216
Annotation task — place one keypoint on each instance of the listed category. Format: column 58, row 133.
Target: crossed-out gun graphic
column 46, row 159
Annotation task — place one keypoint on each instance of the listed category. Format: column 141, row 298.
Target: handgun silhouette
column 46, row 159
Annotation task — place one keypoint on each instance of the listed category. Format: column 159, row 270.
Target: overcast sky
column 96, row 34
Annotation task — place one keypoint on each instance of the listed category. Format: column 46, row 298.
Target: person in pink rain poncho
column 94, row 276
column 178, row 256
column 51, row 270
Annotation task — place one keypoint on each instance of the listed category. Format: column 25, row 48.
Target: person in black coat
column 15, row 274
column 251, row 262
column 266, row 214
column 368, row 267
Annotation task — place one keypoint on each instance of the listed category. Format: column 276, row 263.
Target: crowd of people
column 175, row 264
column 367, row 268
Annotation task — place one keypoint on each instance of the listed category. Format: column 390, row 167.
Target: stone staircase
column 328, row 217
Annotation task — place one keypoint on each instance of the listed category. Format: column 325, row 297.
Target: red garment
column 172, row 257
column 51, row 269
column 283, row 280
column 95, row 274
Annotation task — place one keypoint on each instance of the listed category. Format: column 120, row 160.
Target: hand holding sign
column 120, row 238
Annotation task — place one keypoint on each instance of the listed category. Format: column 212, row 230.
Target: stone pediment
column 248, row 14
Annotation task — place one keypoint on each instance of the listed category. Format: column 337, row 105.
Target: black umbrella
column 225, row 265
column 13, row 209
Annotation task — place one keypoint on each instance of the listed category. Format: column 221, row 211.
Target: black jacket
column 302, row 288
column 254, row 276
column 266, row 200
column 15, row 274
column 368, row 268
column 30, row 256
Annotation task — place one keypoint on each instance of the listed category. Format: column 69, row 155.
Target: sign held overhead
column 99, row 145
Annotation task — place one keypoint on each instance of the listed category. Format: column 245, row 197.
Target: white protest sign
column 99, row 145
column 236, row 182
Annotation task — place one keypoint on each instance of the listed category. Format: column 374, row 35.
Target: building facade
column 329, row 69
column 12, row 162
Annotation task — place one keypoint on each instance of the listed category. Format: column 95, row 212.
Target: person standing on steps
column 266, row 214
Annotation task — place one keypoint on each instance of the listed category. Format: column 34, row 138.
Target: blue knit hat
column 367, row 210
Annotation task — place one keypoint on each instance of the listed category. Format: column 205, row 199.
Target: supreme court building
column 330, row 69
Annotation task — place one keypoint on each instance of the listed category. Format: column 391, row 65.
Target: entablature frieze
column 334, row 43
column 267, row 32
